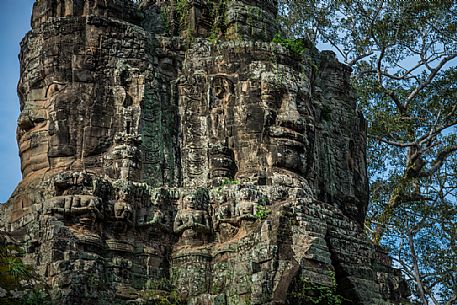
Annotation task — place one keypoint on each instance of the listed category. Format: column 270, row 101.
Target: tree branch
column 396, row 143
column 430, row 78
column 417, row 275
column 359, row 57
column 440, row 158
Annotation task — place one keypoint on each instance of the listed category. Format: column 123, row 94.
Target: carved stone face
column 286, row 120
column 32, row 135
column 194, row 201
column 59, row 128
column 246, row 208
column 66, row 123
column 249, row 123
column 60, row 118
column 69, row 115
column 221, row 159
column 274, row 117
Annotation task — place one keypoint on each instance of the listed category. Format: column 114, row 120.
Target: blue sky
column 14, row 23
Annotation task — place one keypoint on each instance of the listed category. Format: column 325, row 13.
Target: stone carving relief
column 225, row 223
column 157, row 166
column 193, row 221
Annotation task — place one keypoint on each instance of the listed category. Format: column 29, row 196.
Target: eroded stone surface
column 169, row 151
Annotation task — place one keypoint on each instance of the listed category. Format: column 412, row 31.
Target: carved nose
column 27, row 121
column 289, row 116
column 24, row 122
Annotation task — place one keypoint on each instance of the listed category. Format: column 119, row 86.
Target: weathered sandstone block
column 170, row 150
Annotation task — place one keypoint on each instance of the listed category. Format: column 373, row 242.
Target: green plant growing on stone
column 295, row 46
column 182, row 13
column 162, row 292
column 16, row 268
column 307, row 292
column 212, row 38
column 13, row 274
column 10, row 263
column 215, row 289
column 217, row 9
column 168, row 299
column 182, row 7
column 37, row 297
column 165, row 19
column 228, row 181
column 161, row 284
column 262, row 212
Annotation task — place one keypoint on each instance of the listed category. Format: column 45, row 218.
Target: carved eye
column 25, row 123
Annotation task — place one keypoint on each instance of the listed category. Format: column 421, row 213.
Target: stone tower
column 169, row 149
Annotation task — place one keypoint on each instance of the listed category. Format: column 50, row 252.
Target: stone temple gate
column 171, row 149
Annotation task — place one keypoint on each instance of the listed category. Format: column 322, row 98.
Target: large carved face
column 274, row 116
column 286, row 97
column 54, row 108
column 60, row 127
column 249, row 123
column 32, row 134
column 71, row 123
